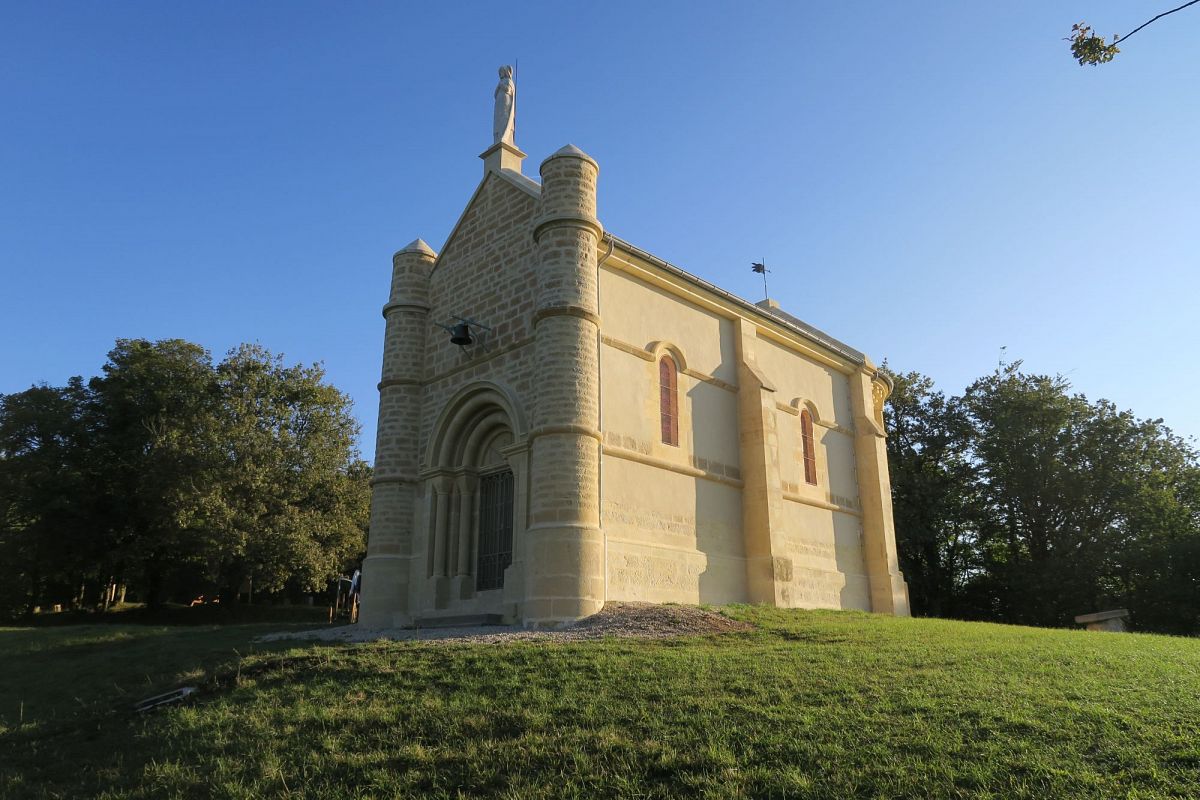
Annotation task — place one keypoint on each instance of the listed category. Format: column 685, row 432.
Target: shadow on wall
column 847, row 550
column 724, row 577
column 718, row 506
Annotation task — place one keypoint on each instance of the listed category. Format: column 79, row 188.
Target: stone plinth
column 1105, row 620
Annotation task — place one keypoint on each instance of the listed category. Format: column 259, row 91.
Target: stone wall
column 485, row 273
column 673, row 515
column 569, row 373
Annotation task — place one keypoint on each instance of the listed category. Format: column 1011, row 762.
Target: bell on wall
column 460, row 335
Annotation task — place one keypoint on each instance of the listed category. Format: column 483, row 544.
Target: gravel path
column 635, row 620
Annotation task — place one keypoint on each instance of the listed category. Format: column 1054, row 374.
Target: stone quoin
column 616, row 429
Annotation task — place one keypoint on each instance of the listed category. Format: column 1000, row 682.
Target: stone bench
column 1105, row 620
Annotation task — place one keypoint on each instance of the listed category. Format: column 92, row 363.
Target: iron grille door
column 495, row 529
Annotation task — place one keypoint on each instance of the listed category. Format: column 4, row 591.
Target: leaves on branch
column 1088, row 48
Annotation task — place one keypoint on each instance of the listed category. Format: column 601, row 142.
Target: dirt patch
column 631, row 620
column 653, row 620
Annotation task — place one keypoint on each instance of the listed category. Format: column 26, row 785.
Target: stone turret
column 565, row 546
column 394, row 486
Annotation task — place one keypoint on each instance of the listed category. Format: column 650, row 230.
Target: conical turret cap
column 571, row 151
column 418, row 246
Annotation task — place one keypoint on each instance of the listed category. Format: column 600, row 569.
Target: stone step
column 459, row 621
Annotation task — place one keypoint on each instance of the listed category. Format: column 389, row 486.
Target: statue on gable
column 504, row 119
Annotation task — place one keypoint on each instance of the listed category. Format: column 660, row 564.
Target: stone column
column 564, row 543
column 445, row 513
column 889, row 592
column 464, row 581
column 514, row 577
column 768, row 574
column 394, row 487
column 441, row 526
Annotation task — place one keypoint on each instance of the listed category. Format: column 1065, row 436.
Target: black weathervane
column 761, row 268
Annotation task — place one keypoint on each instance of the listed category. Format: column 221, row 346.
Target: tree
column 1044, row 525
column 1072, row 492
column 45, row 492
column 1088, row 48
column 1023, row 502
column 177, row 476
column 293, row 496
column 933, row 493
column 157, row 405
column 1161, row 574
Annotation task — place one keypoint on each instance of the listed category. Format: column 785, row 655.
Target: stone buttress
column 768, row 569
column 565, row 546
column 889, row 592
column 394, row 485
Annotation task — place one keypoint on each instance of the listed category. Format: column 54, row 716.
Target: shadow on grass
column 882, row 707
column 175, row 614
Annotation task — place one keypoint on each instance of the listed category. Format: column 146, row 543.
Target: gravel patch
column 626, row 620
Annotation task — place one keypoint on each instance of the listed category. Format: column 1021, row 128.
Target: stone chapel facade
column 619, row 430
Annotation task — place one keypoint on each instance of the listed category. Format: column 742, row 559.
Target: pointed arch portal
column 474, row 477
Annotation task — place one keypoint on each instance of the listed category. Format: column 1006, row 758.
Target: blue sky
column 930, row 182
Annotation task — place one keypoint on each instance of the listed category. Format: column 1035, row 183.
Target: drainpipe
column 612, row 245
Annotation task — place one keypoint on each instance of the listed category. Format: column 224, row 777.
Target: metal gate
column 495, row 529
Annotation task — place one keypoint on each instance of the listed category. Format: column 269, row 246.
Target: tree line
column 169, row 475
column 1020, row 501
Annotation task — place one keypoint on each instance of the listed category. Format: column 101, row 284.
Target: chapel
column 566, row 419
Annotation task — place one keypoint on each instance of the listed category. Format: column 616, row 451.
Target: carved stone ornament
column 879, row 393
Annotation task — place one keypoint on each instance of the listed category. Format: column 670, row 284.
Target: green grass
column 177, row 614
column 811, row 704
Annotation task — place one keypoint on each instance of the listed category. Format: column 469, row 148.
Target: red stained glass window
column 668, row 400
column 810, row 451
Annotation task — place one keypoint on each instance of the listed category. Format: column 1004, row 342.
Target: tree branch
column 1160, row 16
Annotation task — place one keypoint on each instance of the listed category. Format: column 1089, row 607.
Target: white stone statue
column 504, row 119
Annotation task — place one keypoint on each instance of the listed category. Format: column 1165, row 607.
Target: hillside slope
column 810, row 704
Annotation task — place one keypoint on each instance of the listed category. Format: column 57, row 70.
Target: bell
column 460, row 335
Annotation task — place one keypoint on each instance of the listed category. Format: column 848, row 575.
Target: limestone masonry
column 617, row 430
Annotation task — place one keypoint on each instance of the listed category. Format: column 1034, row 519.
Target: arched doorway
column 475, row 510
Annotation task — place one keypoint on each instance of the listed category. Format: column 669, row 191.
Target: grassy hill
column 810, row 704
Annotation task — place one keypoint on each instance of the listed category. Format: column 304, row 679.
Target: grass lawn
column 811, row 704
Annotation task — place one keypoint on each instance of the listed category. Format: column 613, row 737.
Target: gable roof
column 529, row 187
column 776, row 315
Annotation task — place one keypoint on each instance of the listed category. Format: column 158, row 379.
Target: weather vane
column 761, row 268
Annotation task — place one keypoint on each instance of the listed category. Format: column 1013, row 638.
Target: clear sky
column 929, row 182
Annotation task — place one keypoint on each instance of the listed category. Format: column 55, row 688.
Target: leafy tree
column 1161, row 574
column 933, row 496
column 1023, row 502
column 44, row 496
column 292, row 495
column 175, row 476
column 1088, row 48
column 157, row 403
column 1048, row 490
column 1073, row 492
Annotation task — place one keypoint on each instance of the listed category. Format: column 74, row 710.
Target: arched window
column 810, row 451
column 668, row 400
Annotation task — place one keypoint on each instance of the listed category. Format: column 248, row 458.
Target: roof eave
column 798, row 327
